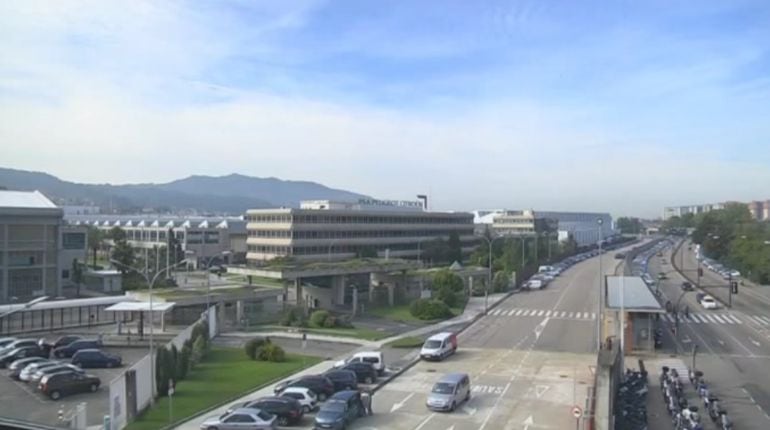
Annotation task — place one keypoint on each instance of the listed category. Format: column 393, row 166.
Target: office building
column 680, row 211
column 583, row 227
column 36, row 248
column 324, row 230
column 202, row 238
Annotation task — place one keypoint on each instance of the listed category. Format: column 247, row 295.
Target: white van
column 439, row 346
column 535, row 284
column 375, row 358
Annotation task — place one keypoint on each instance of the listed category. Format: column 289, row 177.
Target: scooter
column 714, row 409
column 725, row 421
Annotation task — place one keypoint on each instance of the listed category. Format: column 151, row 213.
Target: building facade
column 323, row 230
column 760, row 210
column 206, row 238
column 583, row 227
column 36, row 248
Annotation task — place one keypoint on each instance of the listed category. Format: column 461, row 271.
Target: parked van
column 439, row 346
column 535, row 284
column 375, row 358
column 544, row 269
column 451, row 390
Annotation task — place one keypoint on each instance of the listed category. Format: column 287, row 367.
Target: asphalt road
column 530, row 361
column 733, row 344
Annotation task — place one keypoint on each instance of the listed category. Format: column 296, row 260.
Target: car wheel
column 306, row 409
column 55, row 395
column 213, row 428
column 468, row 396
column 368, row 380
column 283, row 421
column 94, row 387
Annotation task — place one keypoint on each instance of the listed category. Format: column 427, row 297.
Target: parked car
column 342, row 379
column 686, row 286
column 340, row 410
column 69, row 350
column 364, row 371
column 57, row 385
column 319, row 384
column 439, row 346
column 61, row 368
column 27, row 372
column 21, row 352
column 375, row 358
column 15, row 368
column 306, row 398
column 240, row 419
column 287, row 410
column 59, row 342
column 95, row 358
column 5, row 341
column 17, row 343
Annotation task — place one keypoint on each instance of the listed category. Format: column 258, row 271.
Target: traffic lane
column 740, row 384
column 563, row 335
column 508, row 388
column 498, row 332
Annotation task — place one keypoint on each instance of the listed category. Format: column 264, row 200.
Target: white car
column 708, row 302
column 304, row 396
column 244, row 418
column 375, row 358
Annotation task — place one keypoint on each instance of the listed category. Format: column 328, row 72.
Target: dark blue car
column 68, row 351
column 95, row 358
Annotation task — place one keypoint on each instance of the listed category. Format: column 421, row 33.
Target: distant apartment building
column 583, row 227
column 206, row 238
column 322, row 229
column 760, row 210
column 36, row 247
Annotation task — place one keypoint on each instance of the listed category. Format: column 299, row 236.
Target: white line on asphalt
column 526, row 312
column 669, row 317
column 510, row 313
column 425, row 421
column 718, row 319
column 736, row 319
column 709, row 317
column 540, row 314
column 765, row 319
column 519, row 312
column 496, row 312
column 756, row 320
column 696, row 318
column 548, row 314
column 563, row 314
column 571, row 315
column 593, row 315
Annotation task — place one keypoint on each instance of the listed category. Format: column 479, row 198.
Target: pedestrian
column 366, row 399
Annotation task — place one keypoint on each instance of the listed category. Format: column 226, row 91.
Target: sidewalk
column 473, row 310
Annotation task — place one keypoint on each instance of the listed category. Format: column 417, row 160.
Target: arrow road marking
column 528, row 422
column 540, row 327
column 401, row 404
column 721, row 342
column 540, row 390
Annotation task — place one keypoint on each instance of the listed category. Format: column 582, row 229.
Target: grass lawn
column 406, row 342
column 401, row 313
column 358, row 333
column 226, row 374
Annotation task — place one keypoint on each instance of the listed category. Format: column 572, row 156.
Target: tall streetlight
column 150, row 283
column 600, row 221
column 208, row 275
column 489, row 274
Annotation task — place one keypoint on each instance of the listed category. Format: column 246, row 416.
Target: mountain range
column 231, row 194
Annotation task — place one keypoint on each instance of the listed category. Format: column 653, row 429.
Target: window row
column 358, row 219
column 347, row 234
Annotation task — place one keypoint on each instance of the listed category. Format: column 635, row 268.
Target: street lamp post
column 600, row 221
column 208, row 276
column 150, row 283
column 676, row 321
column 489, row 273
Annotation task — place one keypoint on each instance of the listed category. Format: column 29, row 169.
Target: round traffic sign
column 577, row 412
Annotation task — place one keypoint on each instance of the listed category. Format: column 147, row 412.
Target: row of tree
column 733, row 237
column 629, row 225
column 173, row 365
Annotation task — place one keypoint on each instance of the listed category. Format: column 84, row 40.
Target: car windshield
column 443, row 388
column 432, row 344
column 334, row 406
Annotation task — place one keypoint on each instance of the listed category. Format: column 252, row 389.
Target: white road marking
column 563, row 314
column 718, row 319
column 526, row 312
column 571, row 315
column 548, row 314
column 399, row 405
column 425, row 421
column 757, row 344
column 765, row 319
column 710, row 318
column 496, row 312
column 540, row 314
column 593, row 315
column 736, row 319
column 528, row 422
column 696, row 318
column 519, row 312
column 511, row 312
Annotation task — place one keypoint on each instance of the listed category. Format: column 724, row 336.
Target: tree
column 454, row 248
column 199, row 350
column 446, row 286
column 77, row 275
column 117, row 234
column 95, row 237
column 628, row 225
column 183, row 365
column 123, row 253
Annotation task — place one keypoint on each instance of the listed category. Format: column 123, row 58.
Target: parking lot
column 23, row 401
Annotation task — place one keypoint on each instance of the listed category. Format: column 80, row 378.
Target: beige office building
column 325, row 230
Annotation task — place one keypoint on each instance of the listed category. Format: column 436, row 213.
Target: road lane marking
column 766, row 320
column 696, row 318
column 736, row 319
column 757, row 344
column 710, row 318
column 425, row 421
column 563, row 314
column 593, row 315
column 571, row 315
column 399, row 405
column 540, row 314
column 510, row 313
column 548, row 314
column 718, row 319
column 519, row 312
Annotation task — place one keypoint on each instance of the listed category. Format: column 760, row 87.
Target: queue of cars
column 716, row 267
column 333, row 396
column 29, row 360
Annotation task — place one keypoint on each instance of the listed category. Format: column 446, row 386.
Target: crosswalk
column 543, row 313
column 718, row 318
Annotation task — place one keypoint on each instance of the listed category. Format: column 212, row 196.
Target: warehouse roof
column 25, row 200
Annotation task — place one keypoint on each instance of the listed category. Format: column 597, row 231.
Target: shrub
column 183, row 365
column 318, row 318
column 345, row 322
column 289, row 318
column 253, row 346
column 330, row 321
column 447, row 296
column 198, row 350
column 272, row 352
column 430, row 309
column 418, row 307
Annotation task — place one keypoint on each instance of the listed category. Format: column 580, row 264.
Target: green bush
column 198, row 350
column 432, row 309
column 272, row 352
column 289, row 318
column 330, row 322
column 253, row 346
column 344, row 322
column 318, row 318
column 447, row 296
column 183, row 365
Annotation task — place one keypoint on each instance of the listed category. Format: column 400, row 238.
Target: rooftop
column 636, row 294
column 25, row 200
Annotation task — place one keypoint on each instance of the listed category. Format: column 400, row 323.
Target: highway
column 530, row 361
column 733, row 344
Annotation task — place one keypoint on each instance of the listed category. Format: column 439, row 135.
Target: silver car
column 449, row 392
column 241, row 419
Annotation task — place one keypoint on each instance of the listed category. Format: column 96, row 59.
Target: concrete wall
column 608, row 376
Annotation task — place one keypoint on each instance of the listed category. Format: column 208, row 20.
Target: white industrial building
column 583, row 227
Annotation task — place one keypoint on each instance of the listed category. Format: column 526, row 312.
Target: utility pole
column 601, row 289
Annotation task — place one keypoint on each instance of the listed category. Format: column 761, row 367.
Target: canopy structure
column 141, row 307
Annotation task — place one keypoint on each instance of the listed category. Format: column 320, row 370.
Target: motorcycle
column 725, row 421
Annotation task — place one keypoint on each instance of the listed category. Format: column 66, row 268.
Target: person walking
column 366, row 400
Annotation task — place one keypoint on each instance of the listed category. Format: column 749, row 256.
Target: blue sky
column 620, row 106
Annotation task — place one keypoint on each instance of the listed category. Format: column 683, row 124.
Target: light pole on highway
column 676, row 321
column 600, row 221
column 150, row 283
column 490, row 242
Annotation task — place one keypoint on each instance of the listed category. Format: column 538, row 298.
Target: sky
column 619, row 106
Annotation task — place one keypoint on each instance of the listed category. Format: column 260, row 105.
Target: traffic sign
column 577, row 412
